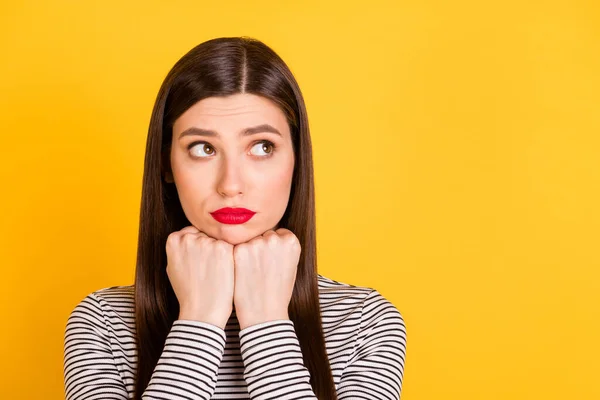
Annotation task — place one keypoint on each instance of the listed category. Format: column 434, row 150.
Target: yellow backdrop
column 457, row 170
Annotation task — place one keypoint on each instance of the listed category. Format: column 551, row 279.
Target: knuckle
column 172, row 236
column 188, row 238
column 293, row 239
column 222, row 245
column 241, row 249
column 273, row 240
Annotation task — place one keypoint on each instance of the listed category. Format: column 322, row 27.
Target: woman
column 227, row 301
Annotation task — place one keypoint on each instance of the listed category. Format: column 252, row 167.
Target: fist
column 265, row 273
column 201, row 272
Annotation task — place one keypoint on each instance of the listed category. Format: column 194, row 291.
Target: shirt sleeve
column 186, row 369
column 273, row 364
column 274, row 368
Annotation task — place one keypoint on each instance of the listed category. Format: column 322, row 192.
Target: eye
column 203, row 146
column 264, row 146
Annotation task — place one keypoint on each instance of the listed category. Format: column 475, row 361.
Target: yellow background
column 456, row 148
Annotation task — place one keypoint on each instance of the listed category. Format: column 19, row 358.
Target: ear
column 169, row 177
column 166, row 166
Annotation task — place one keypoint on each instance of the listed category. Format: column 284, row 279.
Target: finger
column 268, row 233
column 192, row 230
column 283, row 231
column 189, row 229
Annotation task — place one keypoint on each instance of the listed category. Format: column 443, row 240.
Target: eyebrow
column 246, row 132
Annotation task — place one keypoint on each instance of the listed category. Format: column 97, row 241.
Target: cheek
column 276, row 184
column 191, row 190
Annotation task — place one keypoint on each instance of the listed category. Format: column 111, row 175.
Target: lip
column 232, row 216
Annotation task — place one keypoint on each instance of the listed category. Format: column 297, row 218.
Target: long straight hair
column 222, row 67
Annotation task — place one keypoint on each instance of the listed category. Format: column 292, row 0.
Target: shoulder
column 378, row 310
column 336, row 292
column 118, row 297
column 104, row 305
column 373, row 306
column 99, row 329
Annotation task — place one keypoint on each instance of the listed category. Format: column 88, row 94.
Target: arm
column 187, row 368
column 376, row 369
column 273, row 364
column 274, row 367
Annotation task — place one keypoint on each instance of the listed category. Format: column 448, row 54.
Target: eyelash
column 273, row 147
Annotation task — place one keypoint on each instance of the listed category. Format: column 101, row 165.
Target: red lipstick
column 230, row 215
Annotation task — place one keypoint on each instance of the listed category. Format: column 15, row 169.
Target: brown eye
column 265, row 148
column 205, row 150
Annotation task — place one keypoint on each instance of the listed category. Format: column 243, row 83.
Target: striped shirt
column 365, row 339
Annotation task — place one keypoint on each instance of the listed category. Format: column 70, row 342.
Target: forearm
column 273, row 364
column 189, row 363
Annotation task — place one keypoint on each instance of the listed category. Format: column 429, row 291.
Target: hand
column 201, row 272
column 265, row 273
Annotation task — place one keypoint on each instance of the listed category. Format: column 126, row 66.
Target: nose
column 230, row 182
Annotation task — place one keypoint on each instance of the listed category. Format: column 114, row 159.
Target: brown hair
column 221, row 67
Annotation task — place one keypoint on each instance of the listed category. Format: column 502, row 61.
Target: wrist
column 200, row 317
column 246, row 322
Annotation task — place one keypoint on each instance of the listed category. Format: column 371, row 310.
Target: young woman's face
column 243, row 162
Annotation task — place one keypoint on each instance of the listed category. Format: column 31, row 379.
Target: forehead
column 231, row 114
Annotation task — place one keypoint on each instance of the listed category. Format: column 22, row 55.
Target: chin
column 236, row 234
column 234, row 239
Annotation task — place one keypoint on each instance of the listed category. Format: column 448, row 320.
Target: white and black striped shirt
column 365, row 338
